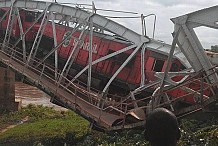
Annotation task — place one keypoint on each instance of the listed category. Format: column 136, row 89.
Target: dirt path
column 7, row 128
column 14, row 125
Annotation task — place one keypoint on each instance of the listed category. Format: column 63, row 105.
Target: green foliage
column 131, row 137
column 199, row 132
column 46, row 125
column 214, row 48
column 34, row 113
column 49, row 127
column 45, row 129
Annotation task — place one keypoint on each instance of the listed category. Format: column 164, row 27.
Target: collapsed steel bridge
column 94, row 105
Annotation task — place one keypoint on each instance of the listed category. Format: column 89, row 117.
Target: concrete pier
column 7, row 90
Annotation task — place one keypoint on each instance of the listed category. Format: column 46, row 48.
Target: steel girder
column 87, row 20
column 80, row 15
column 188, row 41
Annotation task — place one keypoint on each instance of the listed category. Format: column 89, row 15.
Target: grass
column 45, row 130
column 199, row 132
column 34, row 113
column 45, row 125
column 49, row 127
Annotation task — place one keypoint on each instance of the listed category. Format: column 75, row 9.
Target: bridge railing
column 47, row 72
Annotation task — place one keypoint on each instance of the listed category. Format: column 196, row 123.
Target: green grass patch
column 45, row 130
column 54, row 128
column 45, row 125
column 35, row 113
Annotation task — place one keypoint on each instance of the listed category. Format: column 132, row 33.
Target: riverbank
column 49, row 127
column 39, row 124
column 43, row 123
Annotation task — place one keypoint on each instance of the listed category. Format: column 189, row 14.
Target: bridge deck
column 86, row 109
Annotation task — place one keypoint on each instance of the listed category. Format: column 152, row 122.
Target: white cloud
column 164, row 10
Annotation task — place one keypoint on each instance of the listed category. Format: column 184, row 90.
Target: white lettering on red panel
column 67, row 41
column 85, row 46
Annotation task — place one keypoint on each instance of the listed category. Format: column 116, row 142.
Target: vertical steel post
column 90, row 50
column 143, row 66
column 9, row 25
column 154, row 27
column 143, row 24
column 22, row 34
column 55, row 44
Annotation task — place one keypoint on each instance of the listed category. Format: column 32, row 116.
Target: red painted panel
column 102, row 47
column 149, row 64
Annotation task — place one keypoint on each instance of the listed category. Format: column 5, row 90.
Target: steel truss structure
column 97, row 106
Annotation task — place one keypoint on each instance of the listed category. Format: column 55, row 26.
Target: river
column 28, row 94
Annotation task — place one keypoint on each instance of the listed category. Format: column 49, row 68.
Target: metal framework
column 98, row 106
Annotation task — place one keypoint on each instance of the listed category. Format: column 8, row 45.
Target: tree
column 214, row 48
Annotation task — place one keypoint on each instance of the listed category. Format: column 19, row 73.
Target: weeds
column 49, row 127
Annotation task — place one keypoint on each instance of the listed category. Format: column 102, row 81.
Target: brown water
column 28, row 94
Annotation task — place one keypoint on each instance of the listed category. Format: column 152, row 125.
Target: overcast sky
column 164, row 10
